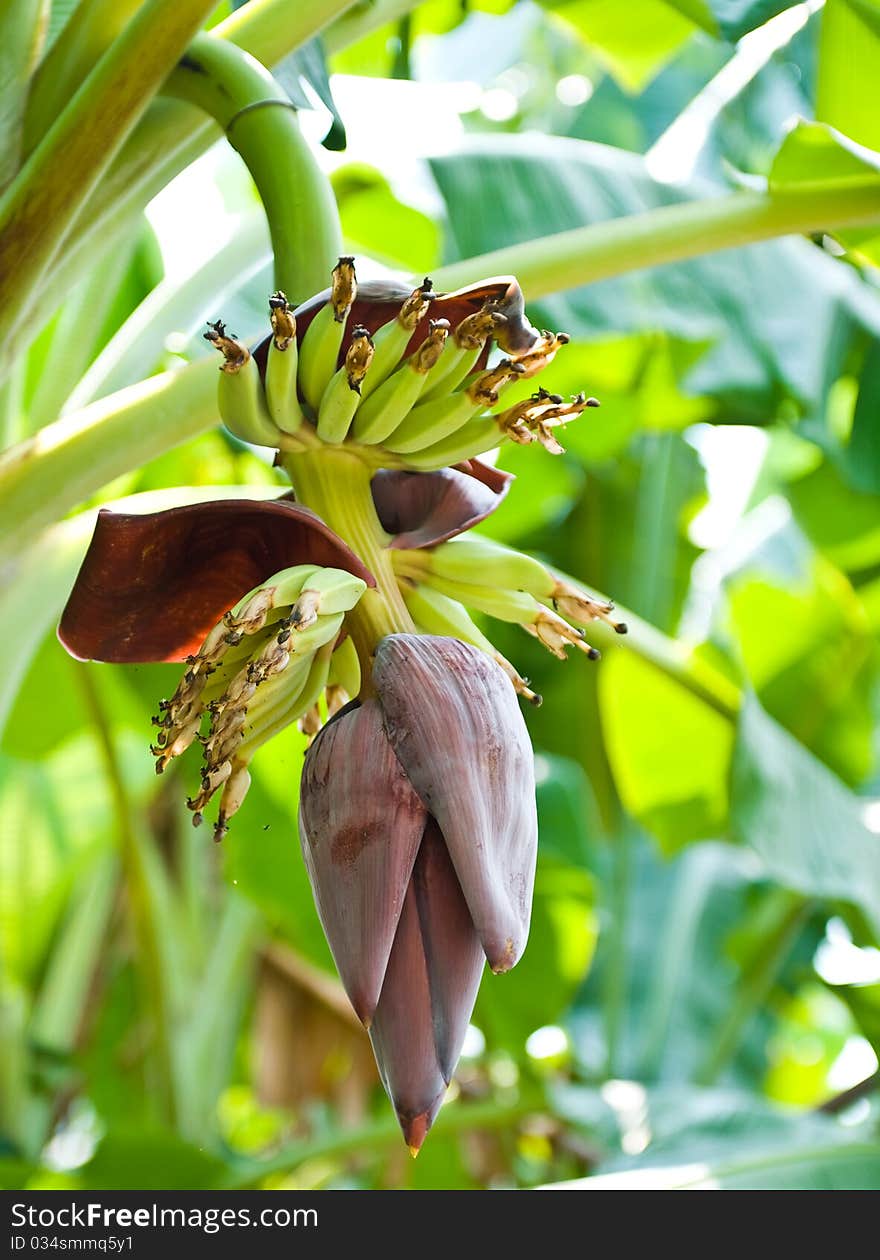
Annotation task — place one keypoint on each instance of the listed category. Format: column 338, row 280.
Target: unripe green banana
column 240, row 396
column 384, row 410
column 319, row 351
column 274, row 696
column 434, row 613
column 345, row 669
column 307, row 642
column 462, row 352
column 391, row 340
column 473, row 438
column 278, row 591
column 476, row 560
column 479, row 560
column 342, row 396
column 519, row 607
column 295, row 705
column 281, row 367
column 433, row 422
column 317, row 681
column 327, row 592
column 235, row 789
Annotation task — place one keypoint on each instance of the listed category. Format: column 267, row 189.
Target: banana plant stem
column 336, row 485
column 259, row 121
column 667, row 234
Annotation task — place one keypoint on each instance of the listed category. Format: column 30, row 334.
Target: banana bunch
column 439, row 584
column 264, row 665
column 423, row 410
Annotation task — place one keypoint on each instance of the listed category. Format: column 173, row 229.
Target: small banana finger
column 384, row 410
column 342, row 396
column 320, row 347
column 281, row 367
column 240, row 396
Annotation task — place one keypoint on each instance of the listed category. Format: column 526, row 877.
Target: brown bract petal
column 423, row 509
column 429, row 992
column 453, row 719
column 360, row 825
column 151, row 586
column 378, row 301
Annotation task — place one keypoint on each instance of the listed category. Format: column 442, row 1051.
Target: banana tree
column 350, row 606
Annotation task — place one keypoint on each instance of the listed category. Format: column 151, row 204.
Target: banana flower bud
column 419, row 833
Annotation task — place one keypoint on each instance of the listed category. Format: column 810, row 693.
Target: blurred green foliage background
column 702, row 983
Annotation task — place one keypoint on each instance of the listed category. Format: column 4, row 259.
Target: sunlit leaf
column 849, row 64
column 800, row 819
column 670, row 770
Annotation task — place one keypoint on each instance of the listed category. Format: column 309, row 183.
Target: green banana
column 518, row 607
column 319, row 352
column 345, row 669
column 432, row 422
column 473, row 438
column 342, row 396
column 392, row 339
column 307, row 705
column 434, row 613
column 462, row 352
column 278, row 591
column 235, row 789
column 240, row 396
column 478, row 560
column 293, row 706
column 282, row 365
column 327, row 592
column 383, row 411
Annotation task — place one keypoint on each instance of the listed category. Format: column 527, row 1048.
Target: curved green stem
column 668, row 234
column 256, row 114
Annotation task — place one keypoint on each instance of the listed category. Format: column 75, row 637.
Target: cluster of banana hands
column 417, row 389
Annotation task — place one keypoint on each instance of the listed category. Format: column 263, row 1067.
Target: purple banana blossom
column 417, row 818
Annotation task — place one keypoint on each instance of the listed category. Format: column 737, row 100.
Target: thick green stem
column 336, row 485
column 256, row 114
column 668, row 234
column 38, row 208
column 61, row 466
